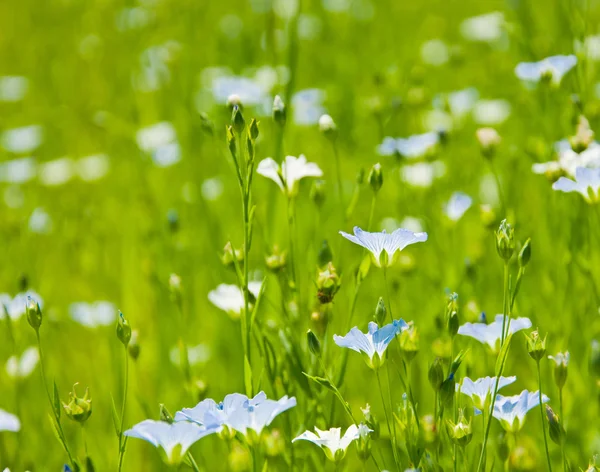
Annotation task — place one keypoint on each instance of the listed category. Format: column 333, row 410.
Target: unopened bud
column 279, row 111
column 505, row 240
column 123, row 330
column 555, row 428
column 376, row 178
column 525, row 253
column 206, row 124
column 536, row 346
column 134, row 346
column 584, row 136
column 380, row 312
column 314, row 345
column 325, row 254
column 409, row 343
column 327, row 127
column 277, row 260
column 234, row 100
column 328, row 283
column 363, row 443
column 78, row 409
column 452, row 321
column 371, row 421
column 489, row 140
column 436, row 374
column 460, row 432
column 231, row 256
column 237, row 120
column 447, row 391
column 317, row 192
column 175, row 288
column 164, row 414
column 34, row 313
column 231, row 141
column 560, row 368
column 254, row 129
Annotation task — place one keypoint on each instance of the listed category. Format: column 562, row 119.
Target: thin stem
column 122, row 442
column 372, row 211
column 338, row 170
column 193, row 463
column 504, row 302
column 499, row 187
column 375, row 462
column 342, row 373
column 337, row 392
column 542, row 416
column 387, row 292
column 387, row 419
column 562, row 418
column 85, row 448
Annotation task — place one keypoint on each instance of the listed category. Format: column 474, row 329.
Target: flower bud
column 175, row 288
column 134, row 346
column 327, row 127
column 231, row 144
column 237, row 120
column 78, row 409
column 123, row 330
column 447, row 391
column 376, row 178
column 560, row 369
column 34, row 313
column 452, row 321
column 363, row 443
column 314, row 345
column 317, row 192
column 536, row 346
column 460, row 433
column 584, row 136
column 279, row 111
column 436, row 374
column 489, row 140
column 409, row 343
column 505, row 240
column 380, row 312
column 555, row 428
column 253, row 129
column 234, row 100
column 164, row 414
column 231, row 255
column 502, row 447
column 276, row 261
column 325, row 256
column 371, row 421
column 328, row 283
column 525, row 254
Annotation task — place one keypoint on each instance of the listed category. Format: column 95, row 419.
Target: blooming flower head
column 252, row 419
column 491, row 334
column 481, row 390
column 173, row 440
column 587, row 183
column 9, row 422
column 561, row 359
column 382, row 245
column 511, row 411
column 332, row 442
column 374, row 342
column 292, row 170
column 552, row 68
column 230, row 298
column 411, row 147
column 458, row 204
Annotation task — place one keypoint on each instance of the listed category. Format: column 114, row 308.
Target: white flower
column 326, row 123
column 292, row 170
column 18, row 171
column 569, row 160
column 482, row 389
column 485, row 28
column 553, row 68
column 561, row 359
column 462, row 102
column 92, row 315
column 91, row 168
column 587, row 183
column 377, row 243
column 56, row 172
column 491, row 112
column 174, row 439
column 15, row 306
column 40, row 221
column 458, row 204
column 435, row 52
column 22, row 367
column 9, row 422
column 411, row 147
column 307, row 106
column 332, row 442
column 160, row 141
column 230, row 90
column 22, row 140
column 196, row 355
column 491, row 334
column 257, row 417
column 13, row 88
column 511, row 411
column 422, row 174
column 230, row 298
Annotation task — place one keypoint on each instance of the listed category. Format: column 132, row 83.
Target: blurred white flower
column 160, row 141
column 230, row 298
column 13, row 88
column 94, row 167
column 18, row 171
column 212, row 189
column 411, row 147
column 292, row 170
column 40, row 222
column 22, row 140
column 552, row 68
column 56, row 172
column 413, row 224
column 590, row 47
column 167, row 155
column 485, row 28
column 21, row 367
column 9, row 422
column 326, row 123
column 92, row 315
column 249, row 92
column 15, row 306
column 586, row 183
column 458, row 204
column 435, row 52
column 307, row 106
column 491, row 112
column 422, row 174
column 196, row 355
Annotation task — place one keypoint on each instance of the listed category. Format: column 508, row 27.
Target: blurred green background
column 90, row 75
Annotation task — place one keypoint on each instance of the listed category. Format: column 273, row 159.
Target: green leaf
column 323, row 382
column 258, row 300
column 247, row 376
column 502, row 355
column 56, row 401
column 115, row 416
column 55, row 428
column 89, row 465
column 363, row 269
column 457, row 361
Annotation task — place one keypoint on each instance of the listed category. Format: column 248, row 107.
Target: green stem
column 387, row 292
column 123, row 442
column 499, row 187
column 338, row 169
column 504, row 303
column 337, row 392
column 542, row 417
column 372, row 211
column 562, row 418
column 387, row 419
column 193, row 463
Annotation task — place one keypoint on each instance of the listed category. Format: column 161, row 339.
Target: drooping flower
column 9, row 422
column 552, row 68
column 230, row 298
column 458, row 204
column 22, row 367
column 587, row 183
column 511, row 411
column 292, row 170
column 411, row 147
column 481, row 390
column 92, row 315
column 332, row 442
column 491, row 334
column 173, row 440
column 378, row 243
column 374, row 342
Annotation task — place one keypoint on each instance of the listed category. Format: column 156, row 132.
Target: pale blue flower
column 9, row 422
column 511, row 411
column 376, row 243
column 291, row 171
column 553, row 68
column 332, row 442
column 259, row 416
column 482, row 389
column 374, row 342
column 458, row 204
column 491, row 334
column 587, row 183
column 173, row 439
column 307, row 106
column 411, row 147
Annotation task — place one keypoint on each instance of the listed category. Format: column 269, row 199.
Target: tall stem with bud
column 124, row 335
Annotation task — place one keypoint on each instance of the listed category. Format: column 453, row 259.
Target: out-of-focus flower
column 435, row 52
column 373, row 343
column 458, row 204
column 561, row 362
column 511, row 411
column 92, row 315
column 160, row 141
column 586, row 183
column 92, row 168
column 481, row 390
column 18, row 171
column 422, row 174
column 292, row 170
column 40, row 222
column 552, row 69
column 486, row 28
column 56, row 172
column 21, row 367
column 491, row 112
column 173, row 439
column 22, row 140
column 15, row 306
column 230, row 298
column 9, row 422
column 383, row 246
column 491, row 334
column 307, row 106
column 411, row 147
column 13, row 88
column 196, row 355
column 489, row 140
column 331, row 441
column 568, row 160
